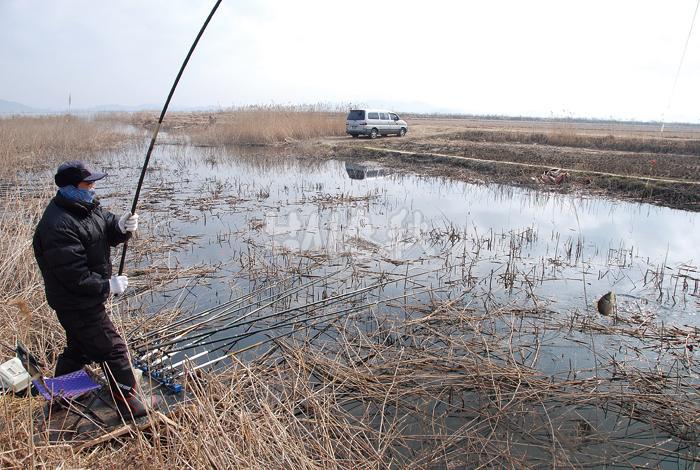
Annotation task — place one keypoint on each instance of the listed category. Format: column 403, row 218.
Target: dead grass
column 445, row 388
column 272, row 124
column 253, row 125
column 35, row 143
column 572, row 138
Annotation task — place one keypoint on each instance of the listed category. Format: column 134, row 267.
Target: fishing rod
column 180, row 334
column 316, row 319
column 208, row 334
column 202, row 337
column 239, row 321
column 211, row 362
column 167, row 376
column 169, row 381
column 208, row 311
column 179, row 300
column 146, row 364
column 160, row 121
column 242, row 350
column 226, row 313
column 290, row 322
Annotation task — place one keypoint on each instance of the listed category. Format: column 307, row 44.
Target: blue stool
column 65, row 389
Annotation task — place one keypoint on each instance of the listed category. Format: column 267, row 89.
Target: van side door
column 373, row 121
column 395, row 127
column 386, row 123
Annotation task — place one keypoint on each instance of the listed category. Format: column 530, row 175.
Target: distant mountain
column 120, row 108
column 12, row 107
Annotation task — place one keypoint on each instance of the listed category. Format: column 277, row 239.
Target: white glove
column 128, row 222
column 118, row 284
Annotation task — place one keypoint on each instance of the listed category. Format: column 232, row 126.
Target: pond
column 539, row 249
column 256, row 237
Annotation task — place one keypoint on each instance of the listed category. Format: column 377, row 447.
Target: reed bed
column 255, row 125
column 32, row 143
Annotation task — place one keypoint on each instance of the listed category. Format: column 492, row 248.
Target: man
column 72, row 247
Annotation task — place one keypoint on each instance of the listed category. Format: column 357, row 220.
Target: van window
column 356, row 115
column 395, row 117
column 384, row 116
column 372, row 115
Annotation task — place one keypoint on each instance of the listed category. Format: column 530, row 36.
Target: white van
column 374, row 122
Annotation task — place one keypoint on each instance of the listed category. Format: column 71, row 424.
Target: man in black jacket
column 72, row 247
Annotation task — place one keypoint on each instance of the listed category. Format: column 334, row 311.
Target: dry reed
column 446, row 389
column 33, row 143
column 265, row 125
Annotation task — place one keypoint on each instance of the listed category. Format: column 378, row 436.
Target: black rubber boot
column 131, row 406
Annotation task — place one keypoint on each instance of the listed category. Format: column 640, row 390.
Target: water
column 556, row 251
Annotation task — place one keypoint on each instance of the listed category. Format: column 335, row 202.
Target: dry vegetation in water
column 448, row 387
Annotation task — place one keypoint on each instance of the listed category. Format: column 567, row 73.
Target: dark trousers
column 92, row 337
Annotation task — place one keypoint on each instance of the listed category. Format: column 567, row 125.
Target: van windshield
column 356, row 115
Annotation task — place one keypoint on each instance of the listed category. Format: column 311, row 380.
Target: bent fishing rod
column 160, row 121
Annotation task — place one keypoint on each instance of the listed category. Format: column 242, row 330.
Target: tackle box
column 13, row 376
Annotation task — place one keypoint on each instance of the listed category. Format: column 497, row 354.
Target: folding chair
column 64, row 391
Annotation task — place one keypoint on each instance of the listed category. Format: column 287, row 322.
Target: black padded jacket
column 72, row 247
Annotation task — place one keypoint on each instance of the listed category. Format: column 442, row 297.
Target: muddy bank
column 663, row 192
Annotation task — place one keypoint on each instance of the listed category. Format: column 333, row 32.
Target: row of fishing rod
column 204, row 339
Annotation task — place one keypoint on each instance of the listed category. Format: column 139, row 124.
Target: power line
column 680, row 65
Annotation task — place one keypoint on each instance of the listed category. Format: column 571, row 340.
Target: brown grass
column 253, row 125
column 444, row 388
column 35, row 143
column 572, row 138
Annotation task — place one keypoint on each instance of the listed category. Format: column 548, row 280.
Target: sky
column 597, row 59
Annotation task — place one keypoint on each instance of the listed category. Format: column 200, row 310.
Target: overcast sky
column 585, row 59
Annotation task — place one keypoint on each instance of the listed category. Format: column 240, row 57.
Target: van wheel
column 374, row 134
column 355, row 136
column 402, row 132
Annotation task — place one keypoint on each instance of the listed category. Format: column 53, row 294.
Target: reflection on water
column 360, row 172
